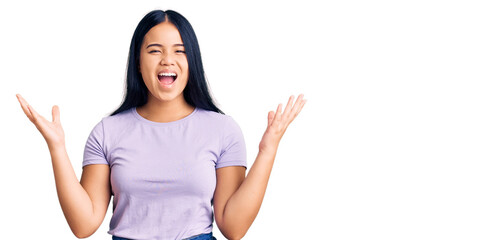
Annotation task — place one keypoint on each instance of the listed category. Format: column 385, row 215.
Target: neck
column 159, row 111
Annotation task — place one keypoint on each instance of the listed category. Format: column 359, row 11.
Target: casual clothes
column 163, row 175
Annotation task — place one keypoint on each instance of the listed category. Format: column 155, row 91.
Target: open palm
column 51, row 131
column 277, row 123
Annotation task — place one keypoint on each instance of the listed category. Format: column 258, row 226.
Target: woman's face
column 163, row 63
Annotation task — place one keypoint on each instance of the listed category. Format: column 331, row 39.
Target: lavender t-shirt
column 163, row 175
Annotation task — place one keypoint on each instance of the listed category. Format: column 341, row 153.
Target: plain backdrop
column 401, row 137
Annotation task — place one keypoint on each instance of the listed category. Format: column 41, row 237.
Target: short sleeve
column 94, row 152
column 233, row 146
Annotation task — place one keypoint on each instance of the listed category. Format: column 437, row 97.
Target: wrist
column 268, row 151
column 56, row 146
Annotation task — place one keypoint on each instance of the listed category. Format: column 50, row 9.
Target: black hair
column 195, row 93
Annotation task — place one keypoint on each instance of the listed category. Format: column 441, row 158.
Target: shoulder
column 224, row 125
column 214, row 118
column 124, row 115
column 116, row 122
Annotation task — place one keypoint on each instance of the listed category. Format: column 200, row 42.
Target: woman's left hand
column 277, row 122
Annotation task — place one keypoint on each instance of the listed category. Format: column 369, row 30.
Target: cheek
column 184, row 67
column 147, row 62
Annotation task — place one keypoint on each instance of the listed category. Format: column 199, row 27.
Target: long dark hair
column 195, row 93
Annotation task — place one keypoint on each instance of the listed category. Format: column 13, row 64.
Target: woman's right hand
column 51, row 131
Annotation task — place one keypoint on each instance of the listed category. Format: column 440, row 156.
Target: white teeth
column 168, row 74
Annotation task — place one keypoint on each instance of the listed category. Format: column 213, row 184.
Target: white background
column 400, row 138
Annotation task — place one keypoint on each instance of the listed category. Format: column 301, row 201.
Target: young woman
column 167, row 154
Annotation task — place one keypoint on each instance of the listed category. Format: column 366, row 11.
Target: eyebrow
column 160, row 45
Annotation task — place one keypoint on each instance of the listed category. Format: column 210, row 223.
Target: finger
column 24, row 104
column 295, row 107
column 55, row 114
column 277, row 116
column 270, row 117
column 301, row 106
column 32, row 113
column 289, row 106
column 36, row 116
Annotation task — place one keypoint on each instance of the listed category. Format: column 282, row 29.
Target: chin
column 169, row 97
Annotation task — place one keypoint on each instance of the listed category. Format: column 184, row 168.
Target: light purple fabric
column 163, row 175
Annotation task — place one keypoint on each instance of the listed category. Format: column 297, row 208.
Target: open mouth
column 167, row 78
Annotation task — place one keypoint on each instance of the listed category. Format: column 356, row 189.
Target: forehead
column 165, row 33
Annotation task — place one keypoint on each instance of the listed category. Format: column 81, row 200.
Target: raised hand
column 51, row 131
column 277, row 123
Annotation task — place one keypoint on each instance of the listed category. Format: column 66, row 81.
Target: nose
column 167, row 59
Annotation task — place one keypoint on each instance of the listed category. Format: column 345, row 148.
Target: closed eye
column 153, row 51
column 180, row 51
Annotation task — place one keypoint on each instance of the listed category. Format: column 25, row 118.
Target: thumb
column 270, row 116
column 55, row 114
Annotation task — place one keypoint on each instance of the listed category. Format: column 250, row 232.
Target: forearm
column 243, row 206
column 74, row 200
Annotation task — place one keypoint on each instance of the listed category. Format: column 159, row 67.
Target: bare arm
column 84, row 204
column 244, row 196
column 237, row 201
